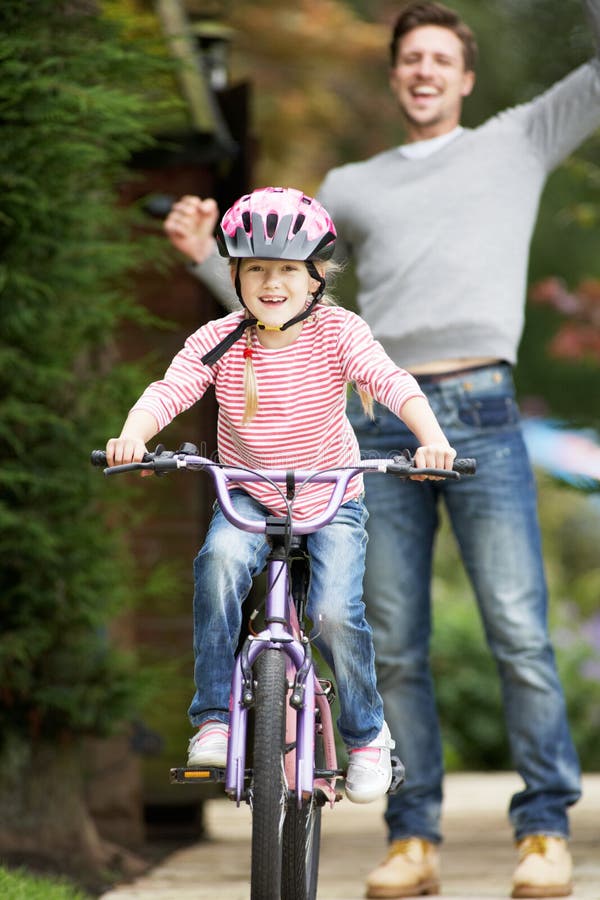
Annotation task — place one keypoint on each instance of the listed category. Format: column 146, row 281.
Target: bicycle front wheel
column 302, row 843
column 269, row 784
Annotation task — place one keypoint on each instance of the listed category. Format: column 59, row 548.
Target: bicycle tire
column 302, row 843
column 269, row 784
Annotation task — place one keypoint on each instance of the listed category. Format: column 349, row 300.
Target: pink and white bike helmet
column 276, row 223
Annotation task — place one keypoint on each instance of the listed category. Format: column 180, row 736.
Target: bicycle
column 294, row 768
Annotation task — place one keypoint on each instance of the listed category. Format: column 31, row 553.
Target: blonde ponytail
column 367, row 403
column 250, row 385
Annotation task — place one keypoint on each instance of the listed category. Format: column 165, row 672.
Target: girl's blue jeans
column 223, row 572
column 494, row 518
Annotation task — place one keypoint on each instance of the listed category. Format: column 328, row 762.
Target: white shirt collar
column 422, row 149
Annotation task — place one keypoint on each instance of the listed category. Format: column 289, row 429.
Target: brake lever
column 448, row 474
column 401, row 465
column 128, row 467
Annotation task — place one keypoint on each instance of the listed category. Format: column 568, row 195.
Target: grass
column 16, row 884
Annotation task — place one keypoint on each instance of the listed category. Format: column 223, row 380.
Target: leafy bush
column 71, row 118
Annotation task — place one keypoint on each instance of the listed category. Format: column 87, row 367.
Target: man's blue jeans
column 494, row 518
column 223, row 572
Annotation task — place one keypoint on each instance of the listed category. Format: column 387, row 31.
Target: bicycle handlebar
column 162, row 461
column 168, row 460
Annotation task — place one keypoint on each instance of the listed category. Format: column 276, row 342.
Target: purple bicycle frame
column 277, row 636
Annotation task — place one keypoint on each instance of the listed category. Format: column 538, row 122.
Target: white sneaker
column 208, row 747
column 369, row 772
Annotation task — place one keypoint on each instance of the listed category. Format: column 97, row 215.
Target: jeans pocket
column 488, row 412
column 354, row 510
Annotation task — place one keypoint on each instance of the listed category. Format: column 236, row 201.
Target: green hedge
column 73, row 109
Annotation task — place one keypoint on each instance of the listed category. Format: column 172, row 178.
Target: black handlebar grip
column 98, row 458
column 465, row 466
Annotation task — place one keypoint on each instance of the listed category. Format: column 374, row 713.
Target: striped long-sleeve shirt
column 301, row 420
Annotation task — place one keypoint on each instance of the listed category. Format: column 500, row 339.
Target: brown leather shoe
column 411, row 869
column 545, row 867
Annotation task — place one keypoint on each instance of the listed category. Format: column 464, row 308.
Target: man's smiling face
column 429, row 80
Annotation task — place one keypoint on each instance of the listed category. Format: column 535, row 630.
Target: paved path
column 477, row 856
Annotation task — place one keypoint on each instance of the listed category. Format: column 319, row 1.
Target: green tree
column 70, row 122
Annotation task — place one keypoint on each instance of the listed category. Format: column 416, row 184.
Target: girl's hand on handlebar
column 123, row 450
column 433, row 456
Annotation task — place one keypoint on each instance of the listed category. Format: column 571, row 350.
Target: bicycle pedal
column 326, row 795
column 329, row 773
column 398, row 774
column 196, row 774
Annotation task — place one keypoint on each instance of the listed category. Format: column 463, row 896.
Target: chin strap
column 314, row 273
column 210, row 358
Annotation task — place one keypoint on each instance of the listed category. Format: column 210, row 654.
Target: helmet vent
column 298, row 223
column 271, row 226
column 246, row 222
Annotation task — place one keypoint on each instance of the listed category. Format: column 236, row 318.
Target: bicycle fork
column 275, row 636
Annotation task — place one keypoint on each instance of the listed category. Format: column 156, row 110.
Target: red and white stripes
column 301, row 420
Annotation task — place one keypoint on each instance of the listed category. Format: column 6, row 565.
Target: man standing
column 439, row 229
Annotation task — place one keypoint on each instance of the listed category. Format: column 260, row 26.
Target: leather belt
column 435, row 377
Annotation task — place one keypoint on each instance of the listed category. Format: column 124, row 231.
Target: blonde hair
column 331, row 269
column 250, row 385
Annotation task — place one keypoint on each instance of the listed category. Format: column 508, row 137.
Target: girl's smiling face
column 274, row 291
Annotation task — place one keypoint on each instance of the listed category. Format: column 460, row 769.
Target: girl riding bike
column 280, row 367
